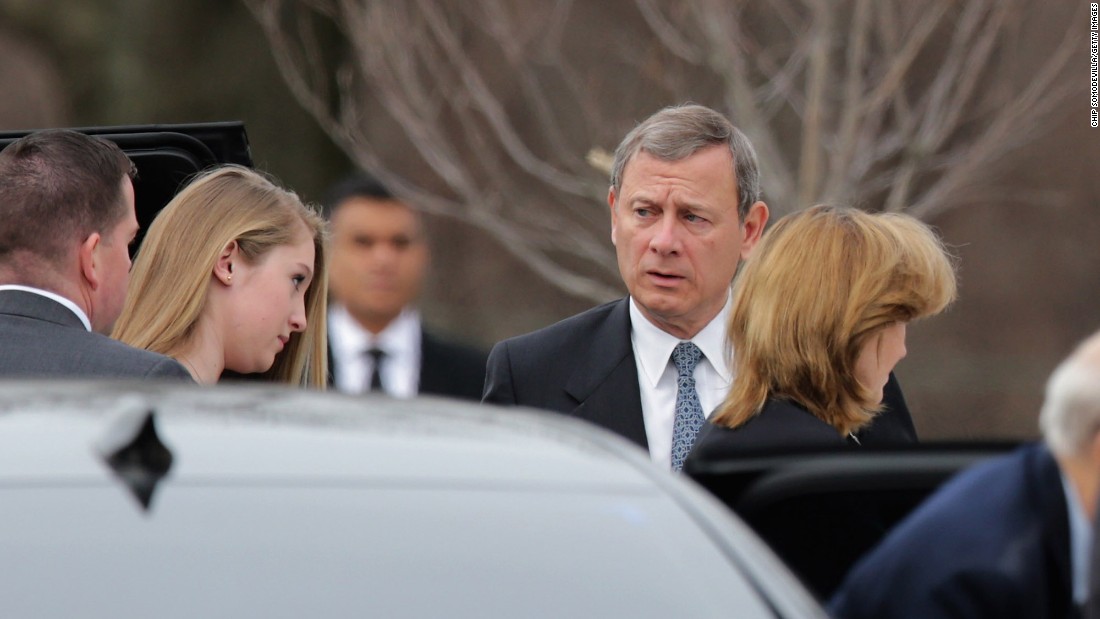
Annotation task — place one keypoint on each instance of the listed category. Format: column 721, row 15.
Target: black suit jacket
column 450, row 369
column 39, row 337
column 992, row 542
column 584, row 366
column 781, row 426
column 446, row 368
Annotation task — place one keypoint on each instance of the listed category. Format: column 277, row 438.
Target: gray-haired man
column 685, row 208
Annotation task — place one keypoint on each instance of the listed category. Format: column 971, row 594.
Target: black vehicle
column 166, row 156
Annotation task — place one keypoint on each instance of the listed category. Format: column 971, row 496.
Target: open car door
column 166, row 156
column 821, row 511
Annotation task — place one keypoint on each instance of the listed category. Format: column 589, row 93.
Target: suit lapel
column 434, row 377
column 605, row 381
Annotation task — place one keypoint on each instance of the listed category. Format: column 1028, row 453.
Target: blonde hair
column 821, row 283
column 171, row 274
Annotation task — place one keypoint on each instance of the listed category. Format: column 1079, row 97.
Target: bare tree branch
column 500, row 113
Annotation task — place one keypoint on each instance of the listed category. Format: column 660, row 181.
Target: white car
column 152, row 500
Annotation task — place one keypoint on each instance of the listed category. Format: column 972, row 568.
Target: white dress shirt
column 657, row 375
column 1080, row 542
column 400, row 341
column 55, row 297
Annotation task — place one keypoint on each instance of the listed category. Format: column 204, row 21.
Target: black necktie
column 376, row 355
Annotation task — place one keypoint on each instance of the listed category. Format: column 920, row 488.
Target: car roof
column 255, row 500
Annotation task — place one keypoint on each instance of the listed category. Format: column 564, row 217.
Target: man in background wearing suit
column 685, row 210
column 66, row 221
column 1007, row 538
column 377, row 266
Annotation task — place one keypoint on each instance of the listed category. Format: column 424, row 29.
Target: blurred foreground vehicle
column 126, row 499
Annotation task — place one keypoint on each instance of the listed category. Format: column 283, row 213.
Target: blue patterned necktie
column 689, row 412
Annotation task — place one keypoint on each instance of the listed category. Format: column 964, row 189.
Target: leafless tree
column 501, row 113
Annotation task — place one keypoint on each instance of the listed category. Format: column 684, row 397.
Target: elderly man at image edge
column 376, row 271
column 685, row 209
column 66, row 221
column 1007, row 538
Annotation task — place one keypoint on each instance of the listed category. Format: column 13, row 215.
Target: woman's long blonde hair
column 172, row 271
column 821, row 283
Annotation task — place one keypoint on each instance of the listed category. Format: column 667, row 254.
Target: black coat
column 450, row 369
column 779, row 427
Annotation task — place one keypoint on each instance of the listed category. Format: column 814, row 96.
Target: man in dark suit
column 66, row 221
column 1009, row 537
column 377, row 266
column 685, row 210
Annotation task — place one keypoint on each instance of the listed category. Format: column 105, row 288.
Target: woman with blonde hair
column 817, row 324
column 231, row 277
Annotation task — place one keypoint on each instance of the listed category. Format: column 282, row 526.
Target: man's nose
column 666, row 235
column 384, row 252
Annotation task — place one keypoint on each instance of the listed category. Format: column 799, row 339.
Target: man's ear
column 87, row 256
column 611, row 197
column 223, row 267
column 1094, row 451
column 752, row 228
column 1089, row 477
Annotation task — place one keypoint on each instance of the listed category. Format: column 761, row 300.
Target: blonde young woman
column 818, row 322
column 231, row 277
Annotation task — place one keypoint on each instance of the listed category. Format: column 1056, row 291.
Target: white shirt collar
column 54, row 297
column 1080, row 541
column 400, row 340
column 397, row 339
column 657, row 385
column 654, row 346
column 346, row 337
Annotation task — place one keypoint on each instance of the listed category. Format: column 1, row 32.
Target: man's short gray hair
column 1070, row 417
column 678, row 132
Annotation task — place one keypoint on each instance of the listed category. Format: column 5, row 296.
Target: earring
column 228, row 278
